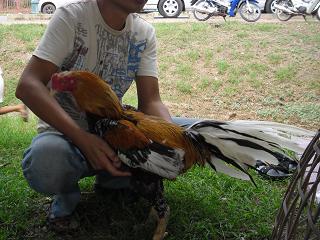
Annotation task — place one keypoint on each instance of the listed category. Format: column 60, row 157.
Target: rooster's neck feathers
column 95, row 96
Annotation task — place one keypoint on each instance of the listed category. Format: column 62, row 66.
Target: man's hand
column 100, row 154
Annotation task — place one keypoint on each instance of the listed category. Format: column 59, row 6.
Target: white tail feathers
column 243, row 143
column 223, row 167
column 296, row 138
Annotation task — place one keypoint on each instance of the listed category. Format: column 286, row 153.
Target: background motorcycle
column 286, row 9
column 204, row 9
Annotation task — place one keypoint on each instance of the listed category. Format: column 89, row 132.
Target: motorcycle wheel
column 282, row 16
column 200, row 16
column 250, row 15
column 318, row 14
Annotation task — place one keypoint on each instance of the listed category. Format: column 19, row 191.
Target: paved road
column 150, row 17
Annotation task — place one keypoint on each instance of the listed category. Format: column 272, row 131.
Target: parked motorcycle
column 204, row 9
column 286, row 9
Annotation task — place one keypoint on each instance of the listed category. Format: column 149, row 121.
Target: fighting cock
column 154, row 149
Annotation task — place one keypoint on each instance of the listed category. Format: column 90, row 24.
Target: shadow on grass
column 103, row 218
column 100, row 217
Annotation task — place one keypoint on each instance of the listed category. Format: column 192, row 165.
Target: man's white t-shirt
column 77, row 38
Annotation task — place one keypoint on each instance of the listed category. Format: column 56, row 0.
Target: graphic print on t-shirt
column 76, row 59
column 118, row 58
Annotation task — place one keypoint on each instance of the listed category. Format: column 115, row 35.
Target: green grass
column 286, row 73
column 16, row 198
column 193, row 55
column 205, row 82
column 184, row 87
column 206, row 72
column 274, row 58
column 204, row 205
column 216, row 84
column 208, row 57
column 230, row 91
column 185, row 70
column 302, row 112
column 222, row 66
column 242, row 35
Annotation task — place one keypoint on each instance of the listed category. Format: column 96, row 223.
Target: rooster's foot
column 160, row 231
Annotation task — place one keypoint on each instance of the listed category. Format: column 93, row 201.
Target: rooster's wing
column 138, row 151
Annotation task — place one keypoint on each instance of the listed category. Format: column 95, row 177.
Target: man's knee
column 47, row 164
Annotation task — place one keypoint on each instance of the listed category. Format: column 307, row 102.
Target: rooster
column 153, row 149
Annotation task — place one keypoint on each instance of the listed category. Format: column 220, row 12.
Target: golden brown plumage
column 95, row 96
column 92, row 94
column 213, row 142
column 126, row 136
column 168, row 134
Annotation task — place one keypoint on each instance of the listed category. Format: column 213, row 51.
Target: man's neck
column 112, row 15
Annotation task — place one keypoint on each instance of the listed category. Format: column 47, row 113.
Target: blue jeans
column 52, row 165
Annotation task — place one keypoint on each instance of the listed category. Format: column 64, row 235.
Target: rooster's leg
column 161, row 211
column 150, row 187
column 160, row 231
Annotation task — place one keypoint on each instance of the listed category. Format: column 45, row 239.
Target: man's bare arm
column 149, row 100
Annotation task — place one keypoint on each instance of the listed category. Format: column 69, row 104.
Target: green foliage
column 193, row 55
column 26, row 34
column 274, row 58
column 267, row 27
column 262, row 27
column 230, row 90
column 205, row 82
column 222, row 66
column 17, row 200
column 130, row 98
column 184, row 87
column 286, row 73
column 208, row 57
column 216, row 84
column 185, row 70
column 242, row 35
column 304, row 112
column 213, row 211
column 314, row 84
